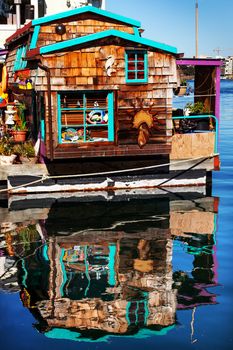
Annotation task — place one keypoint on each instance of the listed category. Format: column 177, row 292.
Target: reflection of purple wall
column 202, row 297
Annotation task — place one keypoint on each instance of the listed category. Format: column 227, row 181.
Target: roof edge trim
column 111, row 32
column 85, row 9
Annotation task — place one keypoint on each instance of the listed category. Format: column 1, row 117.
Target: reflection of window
column 85, row 117
column 136, row 66
column 20, row 63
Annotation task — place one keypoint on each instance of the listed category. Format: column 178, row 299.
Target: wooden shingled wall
column 77, row 29
column 84, row 69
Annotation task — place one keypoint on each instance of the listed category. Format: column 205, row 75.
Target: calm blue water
column 152, row 273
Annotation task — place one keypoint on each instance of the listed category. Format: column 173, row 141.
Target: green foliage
column 21, row 124
column 183, row 82
column 8, row 147
column 25, row 149
column 195, row 108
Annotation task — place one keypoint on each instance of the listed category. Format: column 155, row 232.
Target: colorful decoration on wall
column 3, row 100
column 143, row 121
column 110, row 60
column 22, row 78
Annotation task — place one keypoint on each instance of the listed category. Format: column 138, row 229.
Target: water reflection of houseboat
column 117, row 275
column 99, row 99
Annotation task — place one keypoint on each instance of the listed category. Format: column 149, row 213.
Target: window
column 20, row 55
column 85, row 117
column 136, row 66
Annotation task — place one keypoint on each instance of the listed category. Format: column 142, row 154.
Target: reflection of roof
column 61, row 333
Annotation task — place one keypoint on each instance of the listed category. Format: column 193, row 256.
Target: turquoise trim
column 23, row 62
column 34, row 37
column 136, row 70
column 107, row 33
column 17, row 59
column 110, row 116
column 64, row 275
column 204, row 116
column 59, row 118
column 86, row 270
column 86, row 9
column 20, row 55
column 136, row 31
column 42, row 129
column 61, row 333
column 111, row 265
column 85, row 110
column 45, row 252
column 147, row 312
column 85, row 117
column 127, row 312
column 25, row 275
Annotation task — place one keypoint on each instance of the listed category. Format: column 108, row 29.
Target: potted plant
column 20, row 129
column 195, row 108
column 7, row 155
column 198, row 108
column 25, row 152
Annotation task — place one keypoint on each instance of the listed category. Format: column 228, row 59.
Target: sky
column 173, row 22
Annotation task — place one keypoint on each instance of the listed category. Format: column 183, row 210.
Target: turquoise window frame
column 136, row 80
column 109, row 108
column 20, row 55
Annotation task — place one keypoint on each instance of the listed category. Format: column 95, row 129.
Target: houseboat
column 98, row 103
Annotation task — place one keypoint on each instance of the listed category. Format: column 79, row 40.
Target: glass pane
column 141, row 75
column 72, row 134
column 72, row 101
column 131, row 66
column 140, row 65
column 96, row 100
column 98, row 134
column 97, row 116
column 131, row 56
column 131, row 75
column 69, row 118
column 140, row 56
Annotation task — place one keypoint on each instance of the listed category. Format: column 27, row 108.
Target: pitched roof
column 82, row 10
column 84, row 40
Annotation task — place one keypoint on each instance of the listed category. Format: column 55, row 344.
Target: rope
column 47, row 177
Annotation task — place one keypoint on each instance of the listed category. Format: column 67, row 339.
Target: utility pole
column 196, row 28
column 18, row 16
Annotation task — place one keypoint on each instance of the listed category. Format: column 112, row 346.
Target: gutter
column 47, row 70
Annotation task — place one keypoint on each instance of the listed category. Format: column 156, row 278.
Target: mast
column 196, row 28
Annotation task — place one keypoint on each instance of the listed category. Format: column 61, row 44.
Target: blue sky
column 173, row 22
